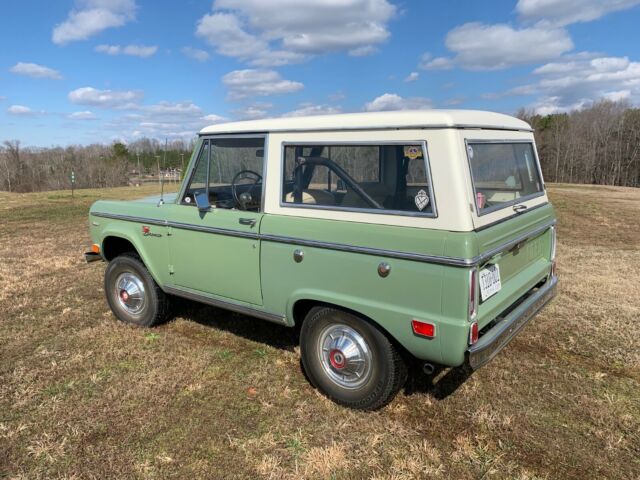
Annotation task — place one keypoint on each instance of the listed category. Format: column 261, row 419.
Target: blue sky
column 84, row 71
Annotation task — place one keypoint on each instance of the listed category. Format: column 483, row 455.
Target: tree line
column 595, row 145
column 30, row 169
column 599, row 145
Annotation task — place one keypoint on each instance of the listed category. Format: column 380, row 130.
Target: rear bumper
column 92, row 257
column 490, row 344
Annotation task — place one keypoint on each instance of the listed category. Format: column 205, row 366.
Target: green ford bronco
column 382, row 237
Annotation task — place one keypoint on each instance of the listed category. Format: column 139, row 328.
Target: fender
column 151, row 249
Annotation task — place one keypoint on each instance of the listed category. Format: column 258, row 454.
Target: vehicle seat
column 313, row 197
column 379, row 192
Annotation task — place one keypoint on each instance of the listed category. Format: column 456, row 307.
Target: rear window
column 503, row 174
column 377, row 178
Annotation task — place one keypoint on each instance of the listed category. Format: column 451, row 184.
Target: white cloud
column 104, row 98
column 21, row 110
column 163, row 119
column 412, row 77
column 213, row 118
column 576, row 81
column 365, row 51
column 225, row 31
column 392, row 101
column 492, row 47
column 618, row 96
column 305, row 109
column 439, row 63
column 258, row 83
column 34, row 70
column 109, row 49
column 251, row 31
column 91, row 17
column 196, row 54
column 86, row 115
column 565, row 12
column 142, row 51
column 254, row 111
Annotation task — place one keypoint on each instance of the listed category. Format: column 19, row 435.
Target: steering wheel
column 244, row 174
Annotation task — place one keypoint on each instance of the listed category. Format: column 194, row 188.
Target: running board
column 234, row 307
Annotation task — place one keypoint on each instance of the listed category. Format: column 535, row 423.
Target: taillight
column 473, row 333
column 473, row 294
column 423, row 329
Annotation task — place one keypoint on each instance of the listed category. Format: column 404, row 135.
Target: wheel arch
column 114, row 245
column 300, row 308
column 116, row 242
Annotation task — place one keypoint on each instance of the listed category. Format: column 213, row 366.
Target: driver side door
column 217, row 252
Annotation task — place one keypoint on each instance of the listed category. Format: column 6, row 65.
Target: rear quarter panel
column 413, row 290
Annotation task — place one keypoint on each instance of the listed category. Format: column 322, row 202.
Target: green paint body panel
column 154, row 250
column 263, row 274
column 225, row 265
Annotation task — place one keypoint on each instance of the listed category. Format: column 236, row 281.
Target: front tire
column 349, row 360
column 132, row 294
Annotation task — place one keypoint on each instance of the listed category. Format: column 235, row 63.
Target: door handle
column 519, row 208
column 248, row 221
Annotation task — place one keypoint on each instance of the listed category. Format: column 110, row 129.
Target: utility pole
column 139, row 172
column 182, row 163
column 159, row 172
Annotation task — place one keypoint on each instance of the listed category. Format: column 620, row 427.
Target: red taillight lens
column 423, row 329
column 473, row 293
column 473, row 333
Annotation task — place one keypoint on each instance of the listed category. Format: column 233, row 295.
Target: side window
column 231, row 170
column 503, row 173
column 393, row 177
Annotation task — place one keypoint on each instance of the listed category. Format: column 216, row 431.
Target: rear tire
column 349, row 360
column 132, row 294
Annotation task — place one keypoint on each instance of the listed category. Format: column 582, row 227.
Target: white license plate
column 489, row 281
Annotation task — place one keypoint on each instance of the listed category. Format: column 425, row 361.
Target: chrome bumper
column 92, row 257
column 490, row 344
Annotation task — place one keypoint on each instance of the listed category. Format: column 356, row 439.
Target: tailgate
column 521, row 249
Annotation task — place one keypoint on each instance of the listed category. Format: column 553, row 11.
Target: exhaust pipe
column 428, row 369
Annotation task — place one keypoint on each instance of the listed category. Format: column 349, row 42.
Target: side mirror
column 202, row 201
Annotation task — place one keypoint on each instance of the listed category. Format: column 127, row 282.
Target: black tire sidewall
column 369, row 394
column 129, row 264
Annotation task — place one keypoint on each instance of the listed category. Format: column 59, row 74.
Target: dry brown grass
column 216, row 395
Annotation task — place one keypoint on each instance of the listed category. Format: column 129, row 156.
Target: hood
column 168, row 198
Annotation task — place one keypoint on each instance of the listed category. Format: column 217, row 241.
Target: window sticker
column 422, row 200
column 413, row 151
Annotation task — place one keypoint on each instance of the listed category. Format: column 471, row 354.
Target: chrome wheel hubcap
column 129, row 292
column 344, row 355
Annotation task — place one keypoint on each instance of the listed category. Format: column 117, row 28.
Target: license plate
column 489, row 281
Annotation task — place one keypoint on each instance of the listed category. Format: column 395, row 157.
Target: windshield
column 503, row 174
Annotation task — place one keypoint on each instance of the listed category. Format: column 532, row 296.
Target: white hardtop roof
column 405, row 119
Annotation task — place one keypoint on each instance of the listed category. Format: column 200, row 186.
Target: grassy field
column 217, row 395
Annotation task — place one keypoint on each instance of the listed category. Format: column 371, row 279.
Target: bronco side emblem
column 422, row 200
